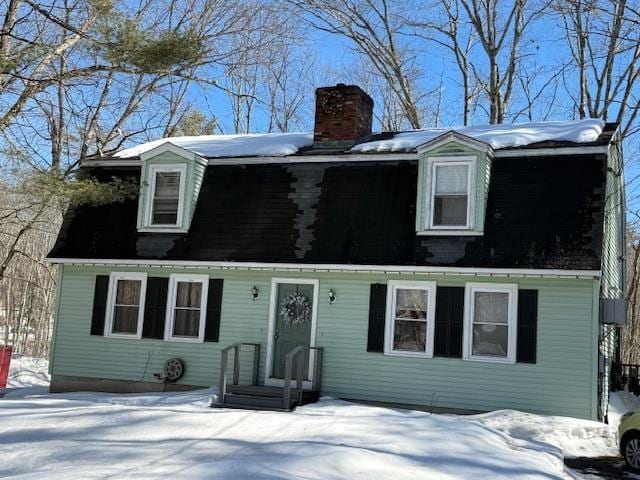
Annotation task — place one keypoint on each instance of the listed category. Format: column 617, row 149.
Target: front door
column 293, row 321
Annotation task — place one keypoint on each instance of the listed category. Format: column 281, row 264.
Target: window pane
column 186, row 323
column 188, row 294
column 165, row 198
column 490, row 340
column 491, row 307
column 165, row 212
column 451, row 179
column 128, row 292
column 410, row 336
column 167, row 184
column 125, row 320
column 450, row 210
column 411, row 303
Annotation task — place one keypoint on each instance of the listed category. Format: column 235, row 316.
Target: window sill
column 507, row 361
column 184, row 340
column 132, row 336
column 162, row 230
column 450, row 233
column 395, row 353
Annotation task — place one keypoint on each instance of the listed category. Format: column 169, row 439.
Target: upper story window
column 450, row 194
column 167, row 196
column 454, row 173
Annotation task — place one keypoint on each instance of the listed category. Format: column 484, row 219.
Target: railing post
column 317, row 374
column 287, row 381
column 256, row 362
column 299, row 373
column 222, row 389
column 236, row 364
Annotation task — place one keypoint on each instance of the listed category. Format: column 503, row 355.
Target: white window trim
column 171, row 302
column 432, row 163
column 111, row 303
column 512, row 322
column 392, row 287
column 151, row 182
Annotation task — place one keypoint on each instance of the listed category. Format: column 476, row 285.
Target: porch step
column 255, row 397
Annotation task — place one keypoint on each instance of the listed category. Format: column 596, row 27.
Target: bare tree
column 375, row 29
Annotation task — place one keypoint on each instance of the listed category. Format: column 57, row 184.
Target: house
column 473, row 269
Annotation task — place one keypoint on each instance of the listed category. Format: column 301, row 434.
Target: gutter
column 319, row 267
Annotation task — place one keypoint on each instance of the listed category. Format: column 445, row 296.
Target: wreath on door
column 295, row 309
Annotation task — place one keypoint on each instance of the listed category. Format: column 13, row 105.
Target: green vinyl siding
column 613, row 242
column 195, row 173
column 562, row 382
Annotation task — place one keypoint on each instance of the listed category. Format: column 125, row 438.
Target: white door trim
column 275, row 281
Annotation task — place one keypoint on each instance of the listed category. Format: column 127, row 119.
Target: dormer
column 170, row 180
column 453, row 183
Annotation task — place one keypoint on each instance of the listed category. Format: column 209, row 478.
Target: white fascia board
column 537, row 152
column 500, row 272
column 543, row 152
column 171, row 148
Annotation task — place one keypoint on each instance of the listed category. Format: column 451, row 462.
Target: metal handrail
column 316, row 378
column 237, row 347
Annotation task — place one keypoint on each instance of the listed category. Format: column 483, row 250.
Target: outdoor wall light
column 255, row 293
column 332, row 297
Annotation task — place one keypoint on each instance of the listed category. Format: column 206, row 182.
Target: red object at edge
column 5, row 361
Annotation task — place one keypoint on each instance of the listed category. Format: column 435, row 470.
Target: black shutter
column 155, row 307
column 99, row 304
column 527, row 325
column 377, row 313
column 214, row 310
column 449, row 322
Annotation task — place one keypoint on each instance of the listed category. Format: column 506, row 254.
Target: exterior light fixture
column 255, row 293
column 332, row 296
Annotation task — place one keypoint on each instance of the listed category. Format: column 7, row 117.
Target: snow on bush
column 28, row 372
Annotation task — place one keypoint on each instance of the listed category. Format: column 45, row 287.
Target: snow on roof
column 265, row 144
column 498, row 136
column 284, row 144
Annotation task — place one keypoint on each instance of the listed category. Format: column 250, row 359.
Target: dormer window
column 168, row 193
column 451, row 195
column 453, row 184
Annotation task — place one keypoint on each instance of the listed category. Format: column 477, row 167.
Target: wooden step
column 263, row 391
column 256, row 401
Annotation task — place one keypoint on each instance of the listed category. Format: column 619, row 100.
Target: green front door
column 293, row 311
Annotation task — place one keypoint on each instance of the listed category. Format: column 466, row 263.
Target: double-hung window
column 167, row 186
column 451, row 195
column 125, row 305
column 410, row 318
column 186, row 309
column 490, row 322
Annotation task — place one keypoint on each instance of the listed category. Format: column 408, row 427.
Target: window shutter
column 377, row 313
column 449, row 322
column 155, row 307
column 214, row 310
column 99, row 304
column 527, row 326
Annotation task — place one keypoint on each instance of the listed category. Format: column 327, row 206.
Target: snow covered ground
column 91, row 435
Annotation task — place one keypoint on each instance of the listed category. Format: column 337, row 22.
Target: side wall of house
column 613, row 263
column 562, row 382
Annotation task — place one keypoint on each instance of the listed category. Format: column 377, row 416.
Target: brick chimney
column 344, row 114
